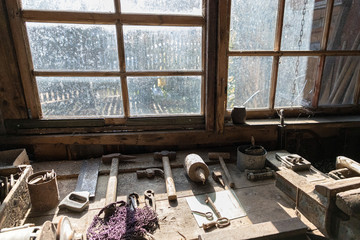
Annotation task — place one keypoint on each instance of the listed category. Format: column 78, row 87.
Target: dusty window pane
column 253, row 24
column 345, row 27
column 340, row 80
column 164, row 95
column 73, row 46
column 303, row 25
column 188, row 7
column 67, row 97
column 162, row 48
column 295, row 85
column 77, row 5
column 249, row 82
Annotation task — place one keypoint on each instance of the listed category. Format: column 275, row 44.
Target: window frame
column 18, row 17
column 223, row 59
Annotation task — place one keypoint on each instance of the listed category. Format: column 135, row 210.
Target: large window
column 291, row 54
column 116, row 58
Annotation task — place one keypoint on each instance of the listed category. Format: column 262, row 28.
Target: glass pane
column 188, row 7
column 339, row 80
column 303, row 25
column 296, row 81
column 162, row 48
column 164, row 95
column 73, row 46
column 66, row 97
column 249, row 82
column 345, row 27
column 71, row 5
column 253, row 24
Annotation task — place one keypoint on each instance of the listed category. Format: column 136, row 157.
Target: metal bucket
column 44, row 195
column 250, row 157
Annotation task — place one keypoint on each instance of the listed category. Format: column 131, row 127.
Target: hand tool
column 149, row 196
column 78, row 200
column 196, row 168
column 260, row 176
column 221, row 221
column 208, row 215
column 221, row 156
column 133, row 200
column 112, row 182
column 150, row 173
column 217, row 177
column 166, row 157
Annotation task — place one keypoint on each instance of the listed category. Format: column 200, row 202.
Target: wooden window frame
column 18, row 17
column 224, row 53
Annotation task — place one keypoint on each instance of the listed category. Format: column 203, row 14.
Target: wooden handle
column 226, row 171
column 169, row 181
column 112, row 182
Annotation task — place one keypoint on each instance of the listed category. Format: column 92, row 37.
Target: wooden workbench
column 262, row 201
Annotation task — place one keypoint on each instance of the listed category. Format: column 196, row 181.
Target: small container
column 238, row 115
column 44, row 194
column 250, row 157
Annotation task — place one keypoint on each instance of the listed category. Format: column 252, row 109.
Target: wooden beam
column 279, row 25
column 116, row 73
column 23, row 53
column 274, row 77
column 210, row 76
column 296, row 53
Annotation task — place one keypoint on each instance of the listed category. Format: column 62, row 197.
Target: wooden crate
column 17, row 203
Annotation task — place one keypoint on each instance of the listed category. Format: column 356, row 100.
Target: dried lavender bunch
column 121, row 222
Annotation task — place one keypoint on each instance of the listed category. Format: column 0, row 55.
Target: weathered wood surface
column 284, row 229
column 261, row 200
column 12, row 103
column 17, row 203
column 330, row 189
column 349, row 202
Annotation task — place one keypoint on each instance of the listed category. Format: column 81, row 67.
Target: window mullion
column 122, row 65
column 277, row 47
column 323, row 46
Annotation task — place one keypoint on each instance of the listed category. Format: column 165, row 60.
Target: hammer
column 166, row 157
column 112, row 182
column 221, row 156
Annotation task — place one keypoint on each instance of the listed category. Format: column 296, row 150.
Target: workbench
column 263, row 202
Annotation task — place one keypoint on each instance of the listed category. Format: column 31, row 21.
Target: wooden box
column 17, row 202
column 13, row 157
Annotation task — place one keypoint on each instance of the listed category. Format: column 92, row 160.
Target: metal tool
column 149, row 196
column 166, row 157
column 221, row 221
column 133, row 200
column 217, row 177
column 208, row 215
column 221, row 156
column 78, row 200
column 150, row 173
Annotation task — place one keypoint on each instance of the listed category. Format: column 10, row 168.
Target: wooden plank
column 116, row 73
column 330, row 189
column 274, row 77
column 63, row 123
column 285, row 229
column 162, row 20
column 22, row 48
column 12, row 102
column 222, row 66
